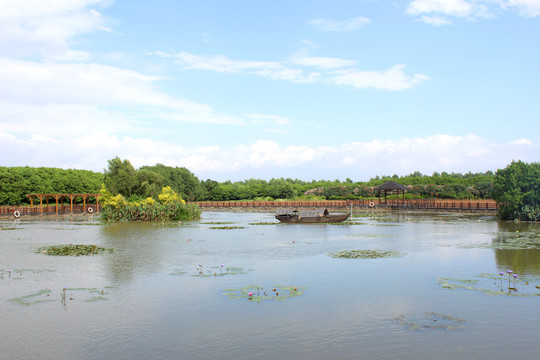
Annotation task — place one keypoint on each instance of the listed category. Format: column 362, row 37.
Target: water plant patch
column 509, row 241
column 226, row 227
column 221, row 270
column 365, row 254
column 38, row 297
column 505, row 283
column 66, row 295
column 18, row 273
column 264, row 223
column 73, row 250
column 217, row 223
column 347, row 223
column 255, row 293
column 374, row 236
column 432, row 321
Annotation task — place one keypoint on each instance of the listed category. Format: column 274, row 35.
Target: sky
column 234, row 90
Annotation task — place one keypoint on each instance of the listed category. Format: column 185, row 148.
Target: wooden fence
column 438, row 204
column 49, row 210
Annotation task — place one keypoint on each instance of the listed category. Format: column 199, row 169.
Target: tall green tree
column 517, row 189
column 121, row 177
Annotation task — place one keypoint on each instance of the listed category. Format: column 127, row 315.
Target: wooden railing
column 435, row 204
column 448, row 204
column 49, row 210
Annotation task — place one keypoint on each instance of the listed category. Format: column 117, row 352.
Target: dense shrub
column 517, row 189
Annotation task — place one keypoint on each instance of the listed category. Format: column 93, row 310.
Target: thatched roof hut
column 392, row 187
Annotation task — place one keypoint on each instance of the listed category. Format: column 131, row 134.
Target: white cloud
column 391, row 79
column 344, row 25
column 331, row 70
column 322, row 62
column 220, row 63
column 357, row 160
column 272, row 119
column 434, row 20
column 60, row 93
column 460, row 8
column 528, row 8
column 46, row 27
column 437, row 12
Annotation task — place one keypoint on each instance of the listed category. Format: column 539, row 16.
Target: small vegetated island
column 131, row 195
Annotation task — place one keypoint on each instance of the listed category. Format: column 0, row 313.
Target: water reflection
column 139, row 248
column 517, row 247
column 148, row 305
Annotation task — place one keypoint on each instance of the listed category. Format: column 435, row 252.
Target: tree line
column 121, row 177
column 518, row 185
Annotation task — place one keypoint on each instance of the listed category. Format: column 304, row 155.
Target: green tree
column 120, row 177
column 517, row 189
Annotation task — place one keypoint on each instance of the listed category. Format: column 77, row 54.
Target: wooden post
column 56, row 197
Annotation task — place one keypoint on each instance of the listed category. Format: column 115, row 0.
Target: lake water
column 163, row 294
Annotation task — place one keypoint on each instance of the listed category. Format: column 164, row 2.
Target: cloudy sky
column 249, row 89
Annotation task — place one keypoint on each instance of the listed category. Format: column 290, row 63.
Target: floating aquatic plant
column 66, row 295
column 364, row 254
column 346, row 223
column 265, row 223
column 375, row 236
column 510, row 241
column 73, row 250
column 217, row 223
column 20, row 272
column 30, row 299
column 214, row 271
column 255, row 293
column 432, row 321
column 492, row 284
column 226, row 227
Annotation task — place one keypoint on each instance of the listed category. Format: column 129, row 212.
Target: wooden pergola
column 60, row 196
column 390, row 187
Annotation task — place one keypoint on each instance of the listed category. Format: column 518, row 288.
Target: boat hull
column 332, row 218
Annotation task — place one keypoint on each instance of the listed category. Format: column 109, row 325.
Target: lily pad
column 217, row 223
column 31, row 298
column 215, row 271
column 432, row 321
column 495, row 285
column 73, row 250
column 364, row 254
column 255, row 293
column 226, row 227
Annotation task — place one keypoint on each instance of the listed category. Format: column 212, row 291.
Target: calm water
column 147, row 300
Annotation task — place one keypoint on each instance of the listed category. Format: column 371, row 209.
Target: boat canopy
column 302, row 213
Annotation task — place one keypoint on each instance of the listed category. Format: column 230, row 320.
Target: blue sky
column 241, row 89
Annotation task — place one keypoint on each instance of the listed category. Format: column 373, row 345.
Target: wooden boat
column 289, row 215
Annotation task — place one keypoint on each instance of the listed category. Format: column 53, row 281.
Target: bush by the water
column 169, row 206
column 152, row 212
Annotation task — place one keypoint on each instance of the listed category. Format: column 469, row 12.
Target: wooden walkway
column 439, row 204
column 421, row 204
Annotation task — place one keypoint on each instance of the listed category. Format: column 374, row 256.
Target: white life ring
column 371, row 204
column 16, row 213
column 90, row 210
